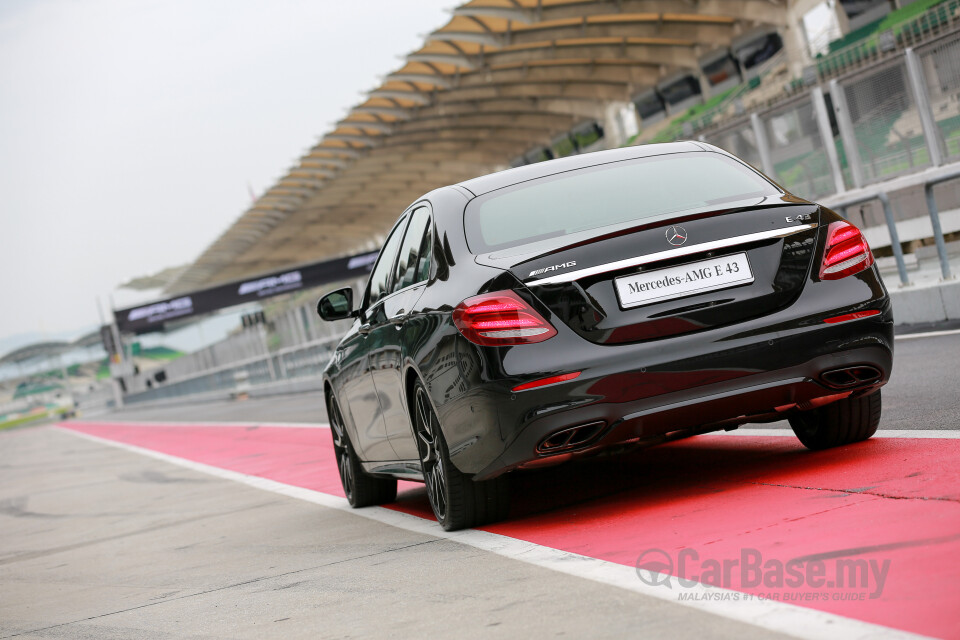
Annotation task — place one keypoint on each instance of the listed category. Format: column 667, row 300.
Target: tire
column 839, row 423
column 457, row 501
column 360, row 488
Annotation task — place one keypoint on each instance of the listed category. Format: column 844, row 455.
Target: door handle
column 398, row 319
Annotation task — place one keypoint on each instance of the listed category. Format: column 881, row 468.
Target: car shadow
column 663, row 473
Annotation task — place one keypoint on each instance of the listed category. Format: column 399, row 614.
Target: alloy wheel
column 341, row 446
column 430, row 456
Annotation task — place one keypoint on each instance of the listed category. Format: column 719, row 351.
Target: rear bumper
column 642, row 392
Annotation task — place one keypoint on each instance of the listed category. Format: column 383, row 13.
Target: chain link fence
column 875, row 126
column 796, row 149
column 886, row 122
column 741, row 141
column 940, row 63
column 797, row 157
column 938, row 19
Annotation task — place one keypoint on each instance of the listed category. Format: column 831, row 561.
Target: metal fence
column 742, row 141
column 299, row 362
column 938, row 19
column 915, row 32
column 240, row 347
column 797, row 151
column 885, row 120
column 940, row 63
column 896, row 116
column 297, row 346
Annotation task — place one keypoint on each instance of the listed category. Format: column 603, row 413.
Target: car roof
column 491, row 182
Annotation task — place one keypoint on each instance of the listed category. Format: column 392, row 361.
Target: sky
column 132, row 131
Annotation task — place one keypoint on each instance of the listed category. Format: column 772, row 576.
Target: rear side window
column 607, row 194
column 380, row 278
column 414, row 252
column 423, row 267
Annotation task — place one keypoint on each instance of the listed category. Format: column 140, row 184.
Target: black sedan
column 600, row 302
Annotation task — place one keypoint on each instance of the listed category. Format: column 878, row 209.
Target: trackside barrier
column 891, row 227
column 935, row 221
column 303, row 361
column 928, row 179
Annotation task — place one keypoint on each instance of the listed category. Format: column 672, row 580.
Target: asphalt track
column 566, row 562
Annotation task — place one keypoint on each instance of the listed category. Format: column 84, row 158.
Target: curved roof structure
column 51, row 348
column 36, row 350
column 501, row 77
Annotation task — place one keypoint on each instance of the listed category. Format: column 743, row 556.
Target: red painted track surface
column 890, row 499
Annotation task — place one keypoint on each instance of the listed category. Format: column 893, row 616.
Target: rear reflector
column 542, row 382
column 821, row 401
column 499, row 319
column 852, row 316
column 846, row 253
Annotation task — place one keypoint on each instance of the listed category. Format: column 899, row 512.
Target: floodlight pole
column 115, row 331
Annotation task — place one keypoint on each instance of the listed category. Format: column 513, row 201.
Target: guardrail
column 928, row 179
column 302, row 361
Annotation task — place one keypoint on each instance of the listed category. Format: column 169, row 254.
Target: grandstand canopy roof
column 157, row 280
column 36, row 350
column 91, row 339
column 501, row 77
column 50, row 349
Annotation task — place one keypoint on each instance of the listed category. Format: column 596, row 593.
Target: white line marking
column 881, row 433
column 746, row 431
column 164, row 423
column 928, row 334
column 775, row 616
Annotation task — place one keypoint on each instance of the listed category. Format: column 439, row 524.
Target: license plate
column 683, row 280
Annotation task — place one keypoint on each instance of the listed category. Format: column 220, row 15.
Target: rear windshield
column 607, row 194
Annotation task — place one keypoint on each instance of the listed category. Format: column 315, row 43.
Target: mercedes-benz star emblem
column 676, row 235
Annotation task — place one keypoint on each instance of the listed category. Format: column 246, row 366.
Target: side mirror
column 336, row 305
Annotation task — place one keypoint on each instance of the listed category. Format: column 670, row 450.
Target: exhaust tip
column 850, row 376
column 570, row 437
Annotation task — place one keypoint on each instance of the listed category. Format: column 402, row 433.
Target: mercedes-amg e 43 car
column 625, row 297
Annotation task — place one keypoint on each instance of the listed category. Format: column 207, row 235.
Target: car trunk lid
column 673, row 276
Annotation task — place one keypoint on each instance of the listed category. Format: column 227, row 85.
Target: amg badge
column 565, row 265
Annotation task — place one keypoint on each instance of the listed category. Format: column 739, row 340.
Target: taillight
column 847, row 252
column 543, row 382
column 500, row 318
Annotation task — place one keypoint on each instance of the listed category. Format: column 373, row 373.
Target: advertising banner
column 152, row 316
